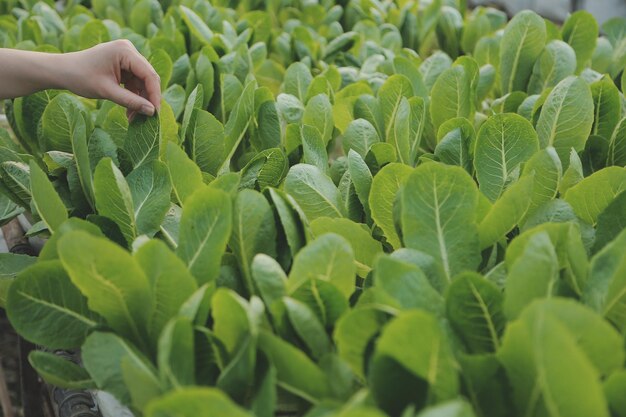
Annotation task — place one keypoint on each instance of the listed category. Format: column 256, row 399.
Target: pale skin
column 114, row 71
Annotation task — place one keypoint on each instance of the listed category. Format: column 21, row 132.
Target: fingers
column 133, row 102
column 137, row 65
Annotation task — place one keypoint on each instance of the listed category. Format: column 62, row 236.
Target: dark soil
column 9, row 362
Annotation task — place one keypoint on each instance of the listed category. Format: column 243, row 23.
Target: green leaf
column 486, row 81
column 162, row 64
column 50, row 249
column 426, row 355
column 617, row 145
column 16, row 182
column 474, row 308
column 314, row 192
column 267, row 169
column 171, row 282
column 327, row 258
column 557, row 61
column 605, row 291
column 476, row 27
column 523, row 40
column 176, row 357
column 144, row 140
column 297, row 80
column 46, row 308
column 254, row 231
column 549, row 373
column 238, row 123
column 230, row 91
column 400, row 134
column 194, row 101
column 504, row 142
column 150, row 189
column 289, row 108
column 419, row 124
column 235, row 318
column 607, row 107
column 613, row 388
column 611, row 221
column 438, row 216
column 269, row 278
column 533, row 275
column 448, row 30
column 114, row 199
column 456, row 139
column 341, row 42
column 566, row 118
column 8, row 211
column 140, row 381
column 546, row 168
column 367, row 107
column 353, row 333
column 108, row 357
column 49, row 205
column 82, row 156
column 295, row 372
column 314, row 148
column 451, row 96
column 114, row 284
column 580, row 30
column 206, row 74
column 390, row 97
column 410, row 69
column 116, row 124
column 319, row 114
column 600, row 341
column 290, row 220
column 205, row 141
column 364, row 246
column 205, row 228
column 453, row 408
column 186, row 177
column 573, row 174
column 506, row 212
column 195, row 402
column 56, row 123
column 175, row 96
column 383, row 194
column 593, row 194
column 196, row 26
column 359, row 137
column 571, row 253
column 59, row 372
column 361, row 177
column 269, row 130
column 11, row 265
column 433, row 66
column 407, row 285
column 308, row 327
column 602, row 57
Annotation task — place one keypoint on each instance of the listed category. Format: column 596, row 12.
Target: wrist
column 59, row 71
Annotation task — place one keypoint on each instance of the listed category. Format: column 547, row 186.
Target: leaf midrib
column 56, row 307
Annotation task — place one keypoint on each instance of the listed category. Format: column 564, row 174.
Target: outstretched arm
column 93, row 73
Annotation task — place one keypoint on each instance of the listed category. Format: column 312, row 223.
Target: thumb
column 130, row 100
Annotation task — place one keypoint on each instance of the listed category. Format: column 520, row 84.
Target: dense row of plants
column 358, row 208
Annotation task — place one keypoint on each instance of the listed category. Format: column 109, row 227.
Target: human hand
column 98, row 72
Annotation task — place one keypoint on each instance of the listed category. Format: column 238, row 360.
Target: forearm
column 24, row 72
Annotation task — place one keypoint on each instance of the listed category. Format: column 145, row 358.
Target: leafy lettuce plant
column 342, row 209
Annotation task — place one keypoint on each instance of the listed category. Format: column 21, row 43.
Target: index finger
column 141, row 68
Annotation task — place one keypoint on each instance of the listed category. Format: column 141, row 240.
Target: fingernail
column 147, row 110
